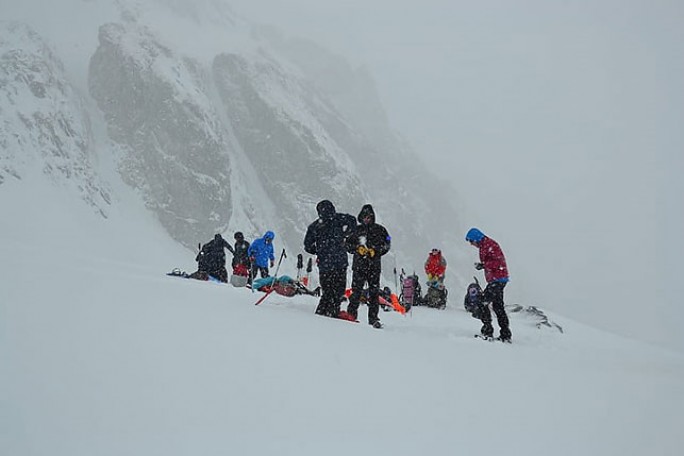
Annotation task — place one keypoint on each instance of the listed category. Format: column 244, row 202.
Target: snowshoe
column 344, row 315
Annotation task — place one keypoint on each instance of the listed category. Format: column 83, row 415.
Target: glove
column 272, row 263
column 371, row 252
column 362, row 250
column 479, row 266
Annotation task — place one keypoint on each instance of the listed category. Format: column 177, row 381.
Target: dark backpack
column 436, row 297
column 473, row 299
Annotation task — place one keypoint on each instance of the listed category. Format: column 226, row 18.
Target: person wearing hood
column 241, row 264
column 368, row 242
column 435, row 268
column 261, row 254
column 493, row 262
column 211, row 258
column 325, row 238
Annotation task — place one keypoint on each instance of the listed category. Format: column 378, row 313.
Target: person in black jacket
column 240, row 256
column 325, row 237
column 368, row 242
column 212, row 258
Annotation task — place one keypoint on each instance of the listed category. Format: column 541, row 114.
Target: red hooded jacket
column 493, row 259
column 435, row 264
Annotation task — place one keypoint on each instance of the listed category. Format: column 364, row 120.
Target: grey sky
column 559, row 123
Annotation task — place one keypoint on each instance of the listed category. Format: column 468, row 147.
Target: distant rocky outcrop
column 175, row 148
column 536, row 316
column 276, row 122
column 43, row 125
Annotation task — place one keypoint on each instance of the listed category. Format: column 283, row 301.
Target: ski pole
column 275, row 279
column 280, row 260
column 300, row 265
column 396, row 284
column 251, row 276
column 309, row 268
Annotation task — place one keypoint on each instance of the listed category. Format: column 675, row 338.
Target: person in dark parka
column 212, row 258
column 240, row 256
column 368, row 242
column 325, row 238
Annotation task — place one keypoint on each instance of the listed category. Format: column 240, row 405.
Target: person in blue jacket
column 261, row 254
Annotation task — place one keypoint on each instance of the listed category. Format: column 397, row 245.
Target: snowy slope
column 220, row 128
column 101, row 353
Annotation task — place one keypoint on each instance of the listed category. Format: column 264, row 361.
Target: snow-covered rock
column 43, row 124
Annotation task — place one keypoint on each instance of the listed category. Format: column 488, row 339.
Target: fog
column 559, row 124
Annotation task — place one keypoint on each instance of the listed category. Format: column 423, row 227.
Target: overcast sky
column 560, row 123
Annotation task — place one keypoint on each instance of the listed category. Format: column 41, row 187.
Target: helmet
column 238, row 236
column 474, row 235
column 269, row 236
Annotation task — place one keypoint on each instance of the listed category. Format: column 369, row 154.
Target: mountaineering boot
column 376, row 324
column 487, row 330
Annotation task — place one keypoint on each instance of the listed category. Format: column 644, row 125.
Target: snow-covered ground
column 102, row 354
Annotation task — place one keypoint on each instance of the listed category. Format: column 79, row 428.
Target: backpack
column 240, row 270
column 436, row 297
column 473, row 299
column 410, row 292
column 238, row 280
column 284, row 285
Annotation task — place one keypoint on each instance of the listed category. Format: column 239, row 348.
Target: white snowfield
column 102, row 354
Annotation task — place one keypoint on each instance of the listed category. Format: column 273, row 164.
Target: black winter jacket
column 240, row 255
column 325, row 237
column 373, row 236
column 212, row 256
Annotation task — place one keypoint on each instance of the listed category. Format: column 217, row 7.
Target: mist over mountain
column 217, row 125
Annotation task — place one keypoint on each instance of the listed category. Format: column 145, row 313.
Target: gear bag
column 436, row 297
column 473, row 299
column 410, row 292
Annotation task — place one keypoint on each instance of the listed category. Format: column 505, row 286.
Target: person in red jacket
column 435, row 267
column 493, row 262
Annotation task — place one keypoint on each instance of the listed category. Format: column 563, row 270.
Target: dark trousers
column 263, row 271
column 220, row 274
column 494, row 293
column 333, row 285
column 359, row 279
